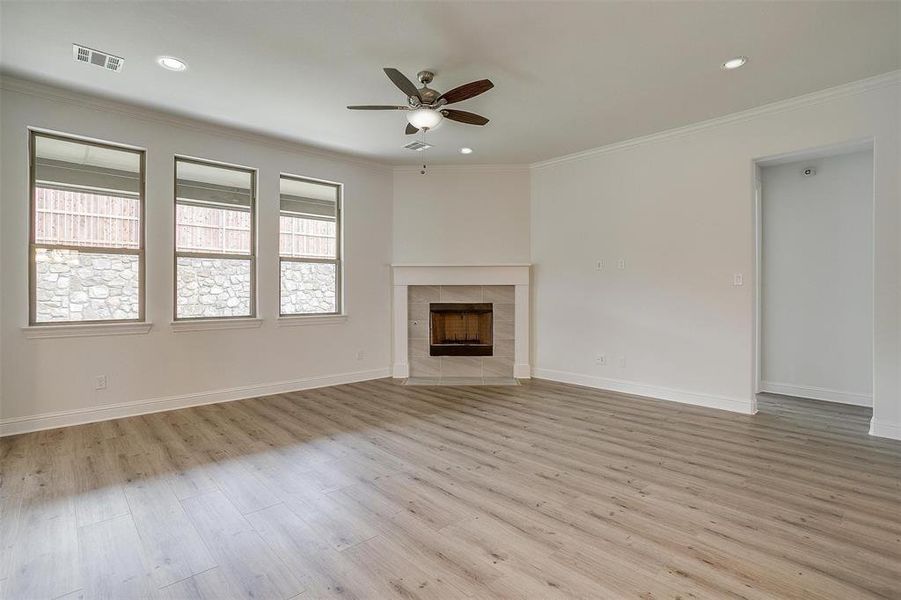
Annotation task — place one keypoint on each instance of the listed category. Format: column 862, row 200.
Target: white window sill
column 84, row 330
column 213, row 324
column 294, row 321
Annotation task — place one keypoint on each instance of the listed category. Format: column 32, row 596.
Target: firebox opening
column 459, row 329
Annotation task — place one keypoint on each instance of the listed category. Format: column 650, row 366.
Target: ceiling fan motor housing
column 428, row 95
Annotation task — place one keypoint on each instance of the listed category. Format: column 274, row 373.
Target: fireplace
column 417, row 287
column 461, row 329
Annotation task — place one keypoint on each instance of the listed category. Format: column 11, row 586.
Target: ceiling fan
column 425, row 106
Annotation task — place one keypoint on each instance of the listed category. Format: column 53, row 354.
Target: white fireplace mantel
column 517, row 275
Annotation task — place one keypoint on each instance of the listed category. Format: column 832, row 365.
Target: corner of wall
column 885, row 429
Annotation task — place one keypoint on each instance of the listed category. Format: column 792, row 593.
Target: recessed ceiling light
column 465, row 150
column 734, row 63
column 171, row 63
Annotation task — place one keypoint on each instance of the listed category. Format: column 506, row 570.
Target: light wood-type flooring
column 380, row 490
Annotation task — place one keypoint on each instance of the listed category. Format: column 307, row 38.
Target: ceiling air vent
column 418, row 146
column 97, row 58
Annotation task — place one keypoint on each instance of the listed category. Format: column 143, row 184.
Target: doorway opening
column 814, row 304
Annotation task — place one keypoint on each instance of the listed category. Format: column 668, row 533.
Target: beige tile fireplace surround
column 419, row 287
column 499, row 364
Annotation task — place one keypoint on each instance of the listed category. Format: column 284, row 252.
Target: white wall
column 460, row 215
column 817, row 279
column 50, row 376
column 678, row 207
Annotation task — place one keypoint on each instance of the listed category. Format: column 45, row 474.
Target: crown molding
column 21, row 85
column 482, row 168
column 848, row 89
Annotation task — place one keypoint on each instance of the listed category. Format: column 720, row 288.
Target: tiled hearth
column 499, row 364
column 504, row 287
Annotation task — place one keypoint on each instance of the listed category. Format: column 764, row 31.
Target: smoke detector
column 97, row 58
column 418, row 146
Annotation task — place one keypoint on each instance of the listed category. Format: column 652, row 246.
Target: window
column 214, row 240
column 87, row 231
column 309, row 247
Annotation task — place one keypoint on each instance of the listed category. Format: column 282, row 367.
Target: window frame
column 338, row 261
column 34, row 245
column 176, row 254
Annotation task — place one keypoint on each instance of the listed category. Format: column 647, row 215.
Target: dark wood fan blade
column 464, row 117
column 376, row 107
column 401, row 81
column 466, row 91
column 410, row 129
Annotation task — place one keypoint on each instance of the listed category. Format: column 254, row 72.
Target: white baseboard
column 106, row 412
column 651, row 391
column 884, row 429
column 400, row 371
column 816, row 393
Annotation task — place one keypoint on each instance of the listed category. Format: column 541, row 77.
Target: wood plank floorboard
column 379, row 490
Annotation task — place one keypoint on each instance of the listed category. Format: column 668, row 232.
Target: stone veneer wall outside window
column 212, row 287
column 85, row 286
column 307, row 288
column 498, row 365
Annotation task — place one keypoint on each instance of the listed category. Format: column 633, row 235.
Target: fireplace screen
column 459, row 329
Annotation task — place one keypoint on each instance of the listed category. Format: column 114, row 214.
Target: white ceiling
column 568, row 76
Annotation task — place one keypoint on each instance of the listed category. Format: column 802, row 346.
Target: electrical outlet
column 100, row 382
column 599, row 266
column 600, row 360
column 361, row 354
column 737, row 280
column 621, row 264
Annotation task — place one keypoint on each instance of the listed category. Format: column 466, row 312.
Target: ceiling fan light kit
column 425, row 106
column 424, row 118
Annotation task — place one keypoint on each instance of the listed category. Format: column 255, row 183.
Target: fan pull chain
column 422, row 133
